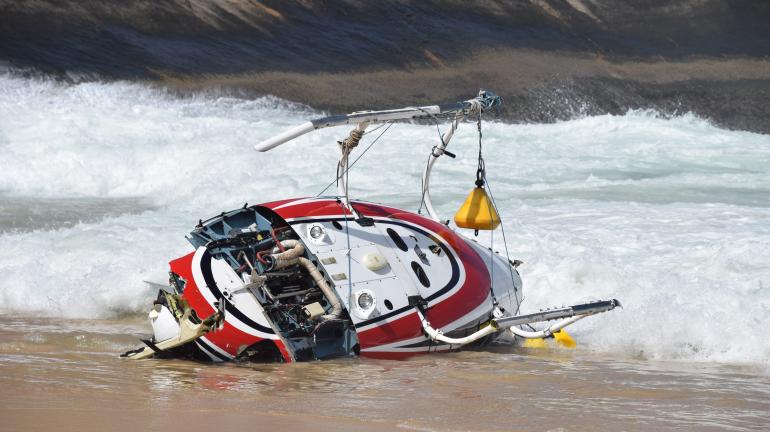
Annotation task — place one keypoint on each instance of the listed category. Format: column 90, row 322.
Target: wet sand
column 66, row 375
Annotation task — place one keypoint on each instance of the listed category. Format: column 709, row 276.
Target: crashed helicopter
column 323, row 277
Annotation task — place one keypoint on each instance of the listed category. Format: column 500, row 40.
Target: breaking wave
column 100, row 182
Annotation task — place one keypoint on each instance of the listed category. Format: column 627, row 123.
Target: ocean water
column 99, row 183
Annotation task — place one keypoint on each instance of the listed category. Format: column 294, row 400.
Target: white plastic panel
column 502, row 284
column 385, row 290
column 398, row 280
column 335, row 239
column 354, row 269
column 231, row 287
column 437, row 267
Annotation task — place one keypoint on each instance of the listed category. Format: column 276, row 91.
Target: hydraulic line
column 438, row 335
column 571, row 315
column 293, row 255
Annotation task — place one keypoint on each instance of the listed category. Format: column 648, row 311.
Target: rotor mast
column 485, row 101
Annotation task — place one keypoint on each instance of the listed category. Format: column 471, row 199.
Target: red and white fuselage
column 323, row 277
column 424, row 260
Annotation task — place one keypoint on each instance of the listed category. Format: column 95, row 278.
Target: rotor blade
column 484, row 101
column 285, row 136
column 344, row 119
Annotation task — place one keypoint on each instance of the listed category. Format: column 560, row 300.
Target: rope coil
column 352, row 140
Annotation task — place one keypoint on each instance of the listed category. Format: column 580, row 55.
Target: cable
column 422, row 186
column 389, row 124
column 505, row 243
column 435, row 120
column 350, row 258
column 481, row 179
column 492, row 267
column 377, row 128
column 443, row 144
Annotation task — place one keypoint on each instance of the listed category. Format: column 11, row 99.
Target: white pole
column 356, row 117
column 435, row 154
column 289, row 135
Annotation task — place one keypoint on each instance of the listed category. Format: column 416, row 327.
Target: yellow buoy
column 561, row 337
column 535, row 343
column 477, row 212
column 564, row 339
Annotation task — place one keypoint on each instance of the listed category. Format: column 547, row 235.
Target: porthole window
column 421, row 276
column 399, row 242
column 336, row 225
column 388, row 304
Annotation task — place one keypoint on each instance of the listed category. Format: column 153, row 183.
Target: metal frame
column 485, row 101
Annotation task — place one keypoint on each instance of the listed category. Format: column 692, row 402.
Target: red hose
column 260, row 254
column 273, row 234
column 275, row 238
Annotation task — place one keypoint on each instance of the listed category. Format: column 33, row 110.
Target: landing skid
column 583, row 309
column 569, row 315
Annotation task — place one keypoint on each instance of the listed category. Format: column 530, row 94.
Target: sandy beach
column 629, row 160
column 65, row 375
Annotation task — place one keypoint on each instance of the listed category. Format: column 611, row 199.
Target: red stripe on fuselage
column 309, row 209
column 183, row 267
column 228, row 338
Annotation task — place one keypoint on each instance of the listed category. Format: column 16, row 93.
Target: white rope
column 336, row 179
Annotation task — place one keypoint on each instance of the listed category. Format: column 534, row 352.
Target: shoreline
column 546, row 87
column 555, row 59
column 68, row 377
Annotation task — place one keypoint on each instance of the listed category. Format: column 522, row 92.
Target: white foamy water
column 99, row 183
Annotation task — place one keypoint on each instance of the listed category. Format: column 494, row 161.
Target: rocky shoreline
column 538, row 87
column 552, row 60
